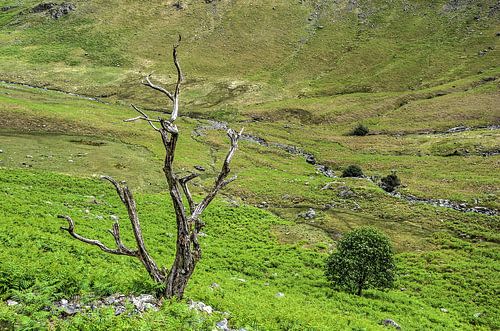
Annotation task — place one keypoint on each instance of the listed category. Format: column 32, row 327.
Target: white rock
column 444, row 310
column 207, row 309
column 222, row 325
column 280, row 295
column 114, row 218
column 12, row 303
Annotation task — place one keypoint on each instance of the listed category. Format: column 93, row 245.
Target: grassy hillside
column 241, row 254
column 247, row 51
column 299, row 76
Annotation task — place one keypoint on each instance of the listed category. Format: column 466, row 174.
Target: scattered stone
column 215, row 125
column 263, row 204
column 144, row 302
column 242, row 280
column 215, row 286
column 345, row 192
column 200, row 306
column 7, row 8
column 280, row 295
column 1, row 151
column 178, row 5
column 99, row 217
column 389, row 322
column 114, row 218
column 199, row 168
column 444, row 310
column 119, row 302
column 327, row 186
column 458, row 129
column 310, row 159
column 222, row 325
column 43, row 7
column 325, row 170
column 63, row 9
column 120, row 310
column 71, row 161
column 308, row 215
column 477, row 315
column 463, row 207
column 29, row 156
column 12, row 303
column 54, row 10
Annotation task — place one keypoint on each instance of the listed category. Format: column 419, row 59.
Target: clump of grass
column 352, row 171
column 359, row 130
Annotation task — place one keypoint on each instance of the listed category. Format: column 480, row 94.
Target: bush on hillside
column 364, row 259
column 390, row 182
column 352, row 171
column 360, row 130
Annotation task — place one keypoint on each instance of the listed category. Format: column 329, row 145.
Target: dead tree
column 189, row 223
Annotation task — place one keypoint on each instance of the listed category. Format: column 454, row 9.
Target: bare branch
column 115, row 231
column 157, row 87
column 117, row 186
column 183, row 182
column 142, row 253
column 180, row 78
column 143, row 117
column 220, row 182
column 71, row 230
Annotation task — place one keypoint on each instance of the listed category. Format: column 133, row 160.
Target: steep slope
column 250, row 50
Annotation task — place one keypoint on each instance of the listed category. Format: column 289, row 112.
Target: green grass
column 239, row 244
column 311, row 48
column 302, row 73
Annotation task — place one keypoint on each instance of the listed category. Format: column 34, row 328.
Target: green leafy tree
column 364, row 259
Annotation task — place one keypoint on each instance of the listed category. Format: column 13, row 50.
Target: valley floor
column 257, row 245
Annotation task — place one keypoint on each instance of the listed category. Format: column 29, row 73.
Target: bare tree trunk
column 189, row 224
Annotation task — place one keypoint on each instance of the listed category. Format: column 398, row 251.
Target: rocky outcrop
column 55, row 10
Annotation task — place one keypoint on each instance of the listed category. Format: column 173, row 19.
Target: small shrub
column 364, row 259
column 360, row 130
column 390, row 182
column 352, row 171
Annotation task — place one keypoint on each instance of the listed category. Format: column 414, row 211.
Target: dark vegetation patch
column 390, row 182
column 88, row 142
column 352, row 171
column 13, row 121
column 359, row 130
